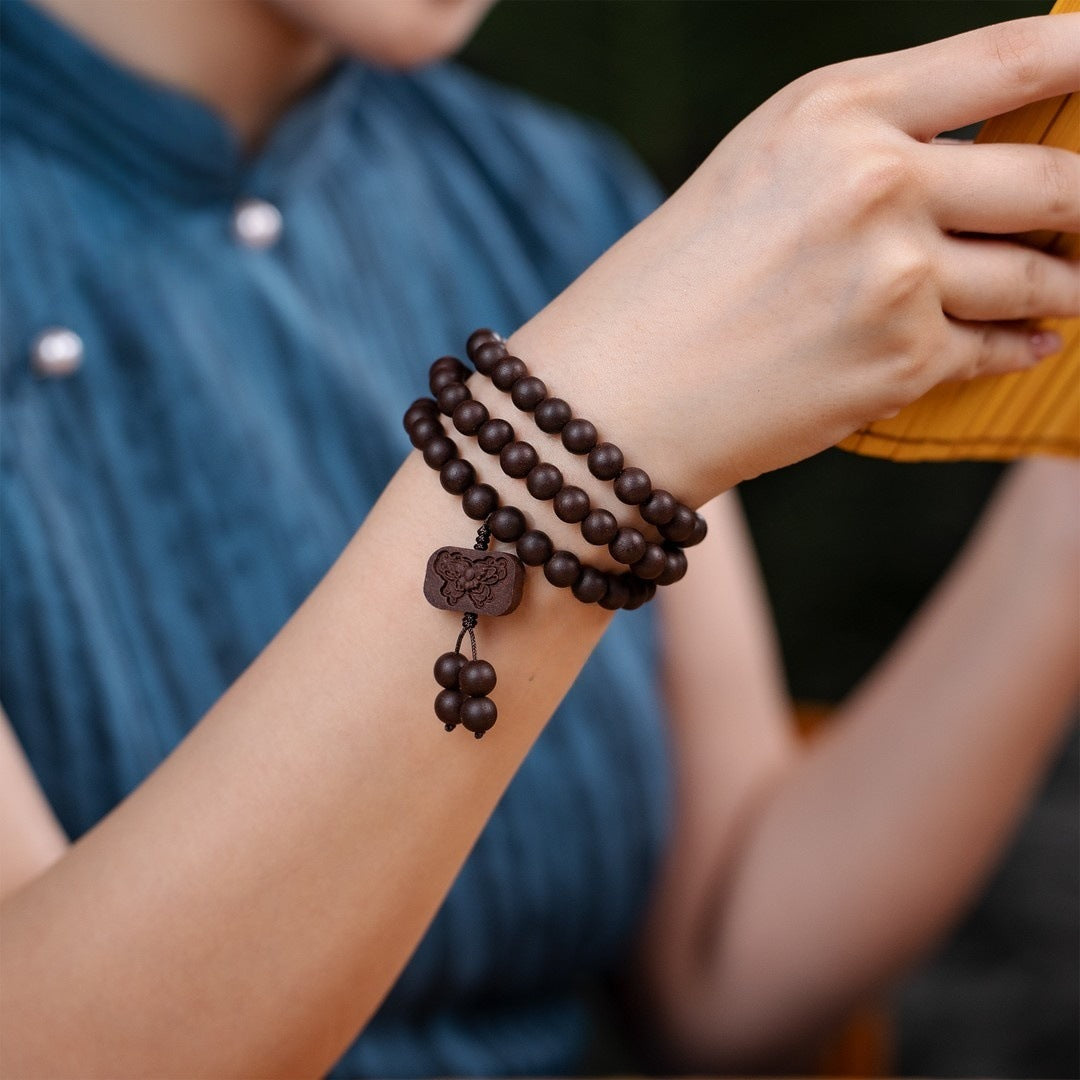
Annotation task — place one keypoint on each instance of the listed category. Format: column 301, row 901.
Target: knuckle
column 969, row 366
column 1059, row 181
column 911, row 370
column 1019, row 50
column 1034, row 281
column 985, row 352
column 879, row 177
column 903, row 274
column 823, row 94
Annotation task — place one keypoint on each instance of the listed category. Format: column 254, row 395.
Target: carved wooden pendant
column 484, row 582
column 477, row 582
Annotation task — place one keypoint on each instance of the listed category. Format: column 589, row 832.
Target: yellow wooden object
column 1000, row 417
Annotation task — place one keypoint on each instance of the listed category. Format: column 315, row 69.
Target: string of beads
column 492, row 583
column 510, row 526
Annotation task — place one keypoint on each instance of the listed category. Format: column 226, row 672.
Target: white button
column 56, row 351
column 256, row 223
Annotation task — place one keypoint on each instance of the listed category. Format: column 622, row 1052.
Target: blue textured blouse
column 170, row 502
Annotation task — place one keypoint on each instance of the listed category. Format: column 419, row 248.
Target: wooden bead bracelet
column 482, row 582
column 508, row 524
column 491, row 583
column 518, row 459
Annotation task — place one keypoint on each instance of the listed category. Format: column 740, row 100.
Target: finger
column 1003, row 188
column 996, row 348
column 994, row 280
column 995, row 69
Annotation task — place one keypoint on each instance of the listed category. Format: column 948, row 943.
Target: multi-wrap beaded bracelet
column 481, row 582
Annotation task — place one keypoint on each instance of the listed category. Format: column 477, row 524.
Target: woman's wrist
column 619, row 385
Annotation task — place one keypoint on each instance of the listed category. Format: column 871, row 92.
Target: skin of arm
column 804, row 882
column 263, row 882
column 31, row 838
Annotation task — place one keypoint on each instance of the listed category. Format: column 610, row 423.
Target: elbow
column 730, row 1022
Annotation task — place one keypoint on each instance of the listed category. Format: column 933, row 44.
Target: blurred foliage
column 674, row 76
column 849, row 545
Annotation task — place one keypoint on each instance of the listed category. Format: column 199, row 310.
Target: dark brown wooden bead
column 457, row 476
column 478, row 338
column 628, row 546
column 448, row 363
column 468, row 417
column 507, row 372
column 421, row 409
column 487, row 356
column 681, row 526
column 423, row 431
column 451, row 396
column 478, row 714
column 591, row 586
column 443, row 377
column 439, row 451
column 563, row 569
column 701, row 528
column 518, row 459
column 479, row 501
column 651, row 564
column 639, row 593
column 507, row 524
column 477, row 678
column 552, row 415
column 528, row 392
column 659, row 508
column 599, row 527
column 618, row 592
column 544, row 481
column 448, row 707
column 572, row 504
column 633, row 486
column 534, row 547
column 674, row 568
column 493, row 435
column 579, row 436
column 605, row 461
column 446, row 669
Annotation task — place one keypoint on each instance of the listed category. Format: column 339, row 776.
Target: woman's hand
column 808, row 277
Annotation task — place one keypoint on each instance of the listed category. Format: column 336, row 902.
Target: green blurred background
column 849, row 545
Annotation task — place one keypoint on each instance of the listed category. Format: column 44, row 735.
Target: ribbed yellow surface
column 1003, row 416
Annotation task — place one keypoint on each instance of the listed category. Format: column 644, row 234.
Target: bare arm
column 31, row 838
column 802, row 880
column 274, row 874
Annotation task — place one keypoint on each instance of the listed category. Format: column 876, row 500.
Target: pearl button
column 256, row 223
column 56, row 351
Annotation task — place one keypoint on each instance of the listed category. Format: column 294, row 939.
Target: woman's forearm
column 245, row 910
column 876, row 836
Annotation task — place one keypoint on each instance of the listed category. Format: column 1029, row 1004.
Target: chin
column 392, row 33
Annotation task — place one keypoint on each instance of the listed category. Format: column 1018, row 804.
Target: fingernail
column 1044, row 343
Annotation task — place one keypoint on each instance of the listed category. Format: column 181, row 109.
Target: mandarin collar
column 142, row 134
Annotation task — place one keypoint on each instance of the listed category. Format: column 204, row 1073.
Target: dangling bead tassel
column 466, row 683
